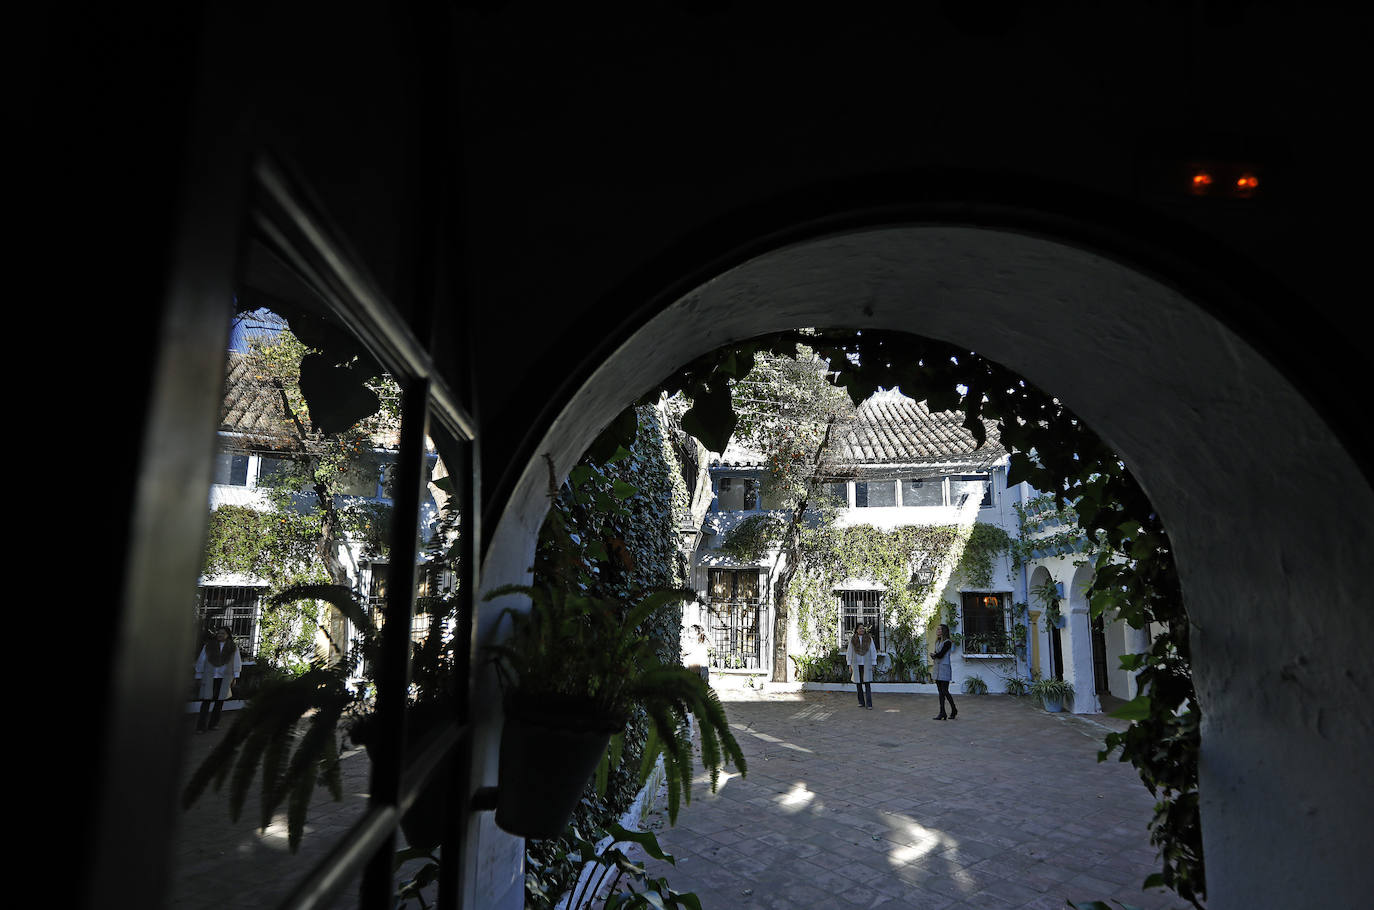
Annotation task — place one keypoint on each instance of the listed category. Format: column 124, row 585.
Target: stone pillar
column 1078, row 660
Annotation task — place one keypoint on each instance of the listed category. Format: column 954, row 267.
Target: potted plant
column 572, row 672
column 1015, row 686
column 1048, row 593
column 1052, row 693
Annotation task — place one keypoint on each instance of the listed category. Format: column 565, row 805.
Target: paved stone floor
column 222, row 864
column 1005, row 807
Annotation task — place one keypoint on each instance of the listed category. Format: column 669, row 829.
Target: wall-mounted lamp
column 687, row 538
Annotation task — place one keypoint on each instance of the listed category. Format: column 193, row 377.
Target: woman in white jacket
column 217, row 666
column 862, row 653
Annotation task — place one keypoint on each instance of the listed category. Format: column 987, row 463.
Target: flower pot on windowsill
column 548, row 753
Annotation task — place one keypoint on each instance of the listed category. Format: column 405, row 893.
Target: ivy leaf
column 711, row 418
column 337, row 395
column 645, row 839
column 624, row 490
column 1020, row 468
column 1137, row 708
column 620, row 433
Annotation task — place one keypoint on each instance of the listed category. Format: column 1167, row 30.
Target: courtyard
column 1004, row 807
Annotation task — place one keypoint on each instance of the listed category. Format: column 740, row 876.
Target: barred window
column 732, row 624
column 237, row 606
column 861, row 605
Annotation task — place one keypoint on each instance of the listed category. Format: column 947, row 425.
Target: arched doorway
column 1174, row 391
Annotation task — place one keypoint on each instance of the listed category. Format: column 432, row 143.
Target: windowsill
column 989, row 656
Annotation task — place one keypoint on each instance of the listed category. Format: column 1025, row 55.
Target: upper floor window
column 977, row 487
column 875, row 494
column 923, row 491
column 231, row 468
column 270, row 467
column 735, row 494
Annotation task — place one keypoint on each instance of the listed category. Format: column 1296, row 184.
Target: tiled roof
column 252, row 408
column 253, row 412
column 892, row 429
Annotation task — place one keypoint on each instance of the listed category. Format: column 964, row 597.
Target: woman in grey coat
column 940, row 662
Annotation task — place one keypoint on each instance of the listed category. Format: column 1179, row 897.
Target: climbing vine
column 984, row 545
column 610, row 533
column 863, row 551
column 1047, row 529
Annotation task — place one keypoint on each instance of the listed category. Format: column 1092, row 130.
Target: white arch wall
column 1270, row 517
column 1078, row 639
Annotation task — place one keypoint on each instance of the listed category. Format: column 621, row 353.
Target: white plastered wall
column 1274, row 579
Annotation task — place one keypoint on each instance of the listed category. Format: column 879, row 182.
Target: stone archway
column 1199, row 416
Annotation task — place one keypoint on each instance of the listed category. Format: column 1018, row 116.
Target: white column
column 1078, row 661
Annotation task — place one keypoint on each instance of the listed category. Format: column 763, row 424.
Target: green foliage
column 1047, row 529
column 829, row 667
column 1047, row 595
column 625, row 882
column 831, row 554
column 1045, row 688
column 611, row 534
column 906, row 659
column 975, row 685
column 750, row 540
column 241, row 539
column 1015, row 685
column 572, row 654
column 290, row 730
column 984, row 545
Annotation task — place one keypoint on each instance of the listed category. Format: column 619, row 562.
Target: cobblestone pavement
column 221, row 864
column 1005, row 807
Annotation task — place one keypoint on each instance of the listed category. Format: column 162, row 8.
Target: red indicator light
column 1247, row 182
column 1201, row 180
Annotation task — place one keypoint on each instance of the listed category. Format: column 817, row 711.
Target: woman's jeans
column 942, row 685
column 205, row 707
column 861, row 686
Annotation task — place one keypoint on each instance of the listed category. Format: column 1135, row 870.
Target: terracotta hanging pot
column 548, row 753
